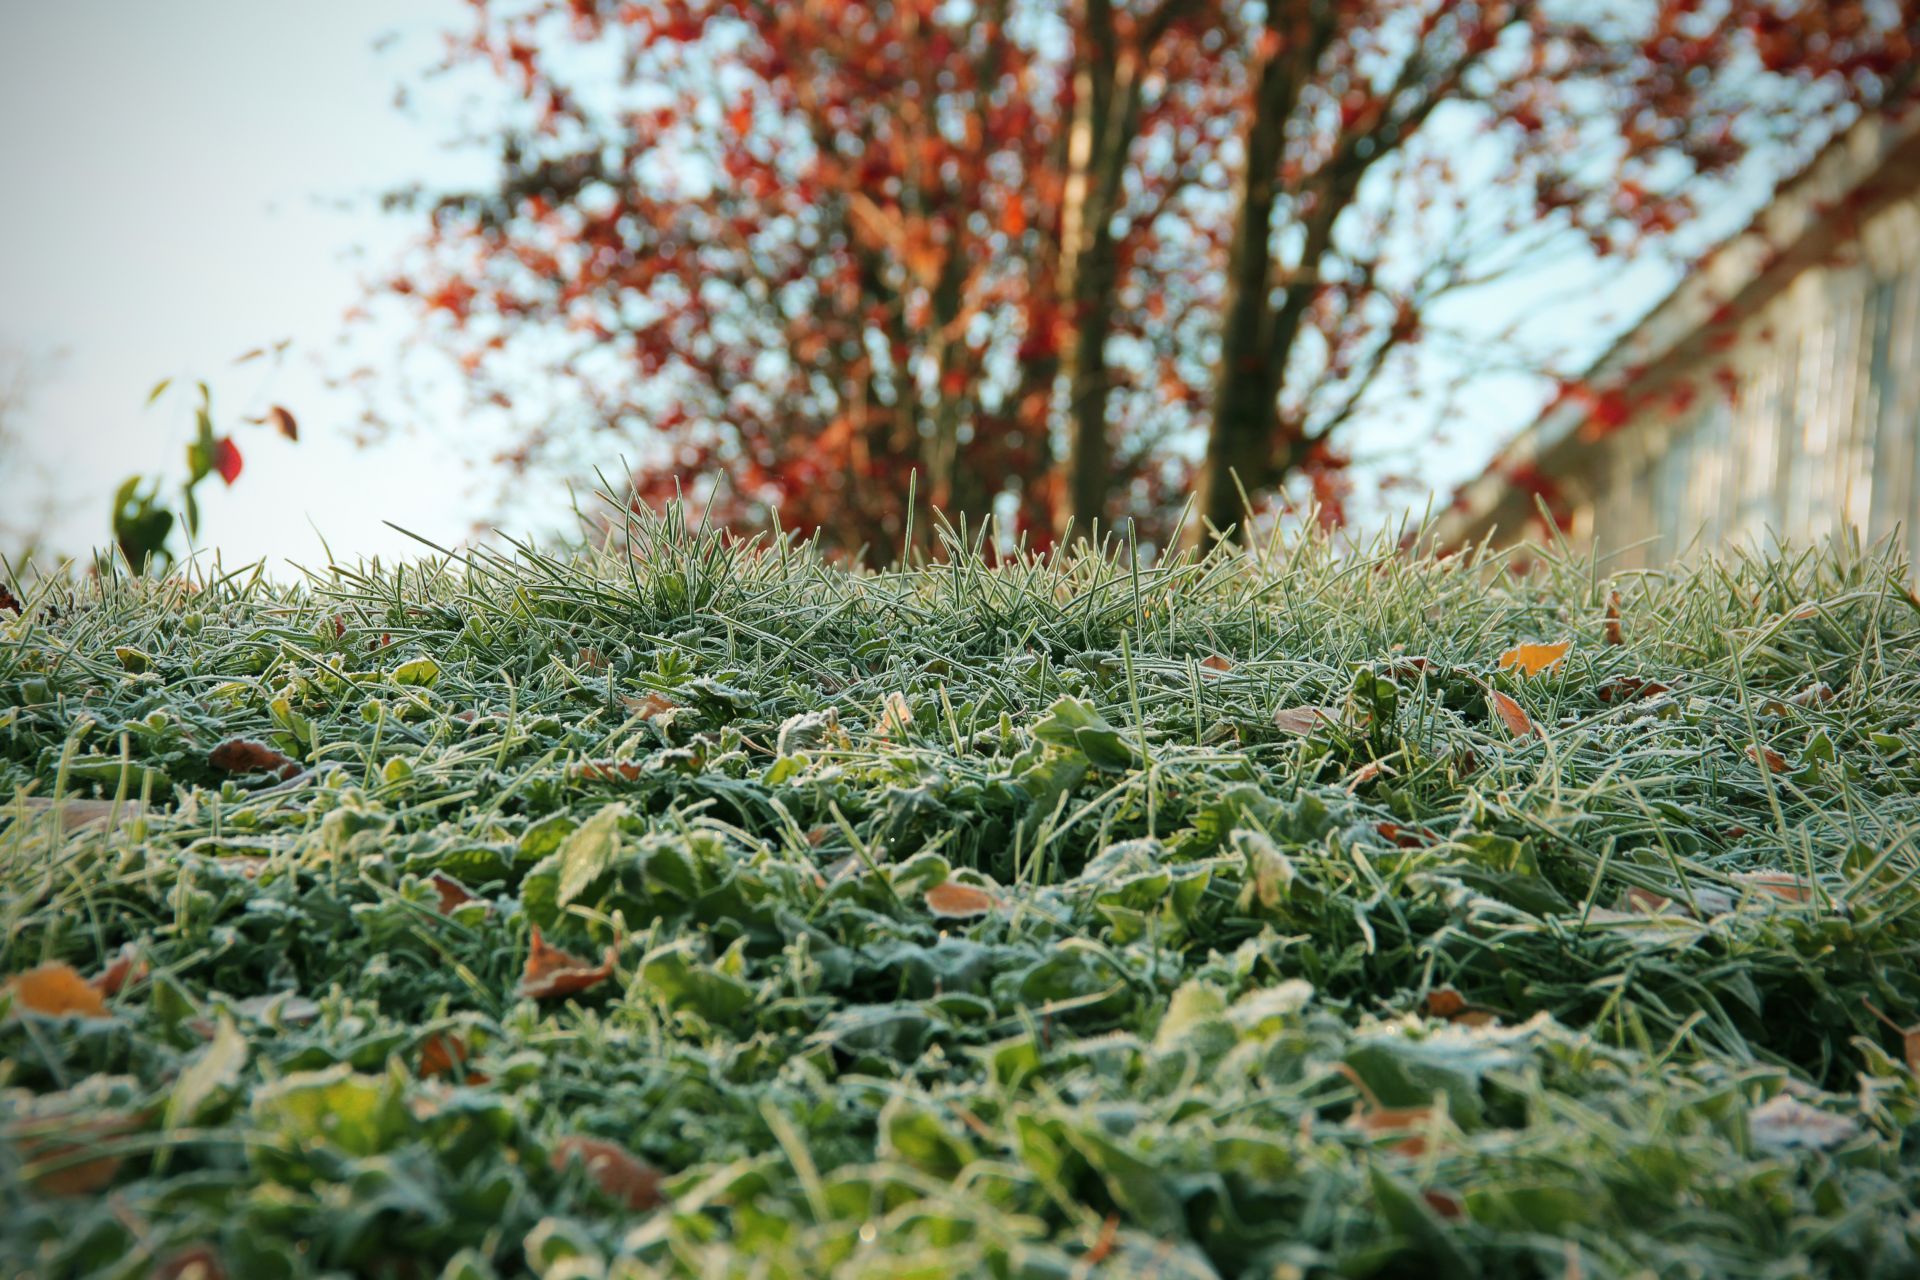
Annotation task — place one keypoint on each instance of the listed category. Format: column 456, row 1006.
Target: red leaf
column 622, row 1176
column 226, row 459
column 1511, row 714
column 244, row 755
column 452, row 892
column 552, row 973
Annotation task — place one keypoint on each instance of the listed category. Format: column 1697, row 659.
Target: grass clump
column 699, row 909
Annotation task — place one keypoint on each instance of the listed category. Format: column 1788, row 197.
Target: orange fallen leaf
column 616, row 1171
column 1614, row 635
column 1532, row 659
column 1778, row 884
column 607, row 771
column 1444, row 1203
column 194, row 1262
column 1303, row 719
column 56, row 989
column 244, row 755
column 593, row 660
column 895, row 715
column 648, row 707
column 1445, row 1002
column 1364, row 774
column 1814, row 695
column 552, row 973
column 1215, row 662
column 1773, row 760
column 452, row 892
column 955, row 901
column 126, row 967
column 67, row 1145
column 1511, row 714
column 445, row 1054
column 1388, row 1121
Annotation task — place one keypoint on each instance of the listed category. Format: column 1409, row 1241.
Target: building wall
column 1820, row 433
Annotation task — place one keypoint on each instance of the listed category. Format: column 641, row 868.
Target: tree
column 1027, row 249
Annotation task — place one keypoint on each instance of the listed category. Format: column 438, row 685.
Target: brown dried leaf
column 1772, row 760
column 648, row 707
column 1532, row 659
column 243, row 755
column 1445, row 1002
column 624, row 1178
column 56, row 989
column 282, row 421
column 68, row 1143
column 126, row 967
column 1814, row 695
column 452, row 892
column 1511, row 714
column 607, row 771
column 1779, row 884
column 445, row 1054
column 1216, row 664
column 1364, row 774
column 1628, row 688
column 1614, row 635
column 552, row 973
column 1303, row 719
column 957, row 901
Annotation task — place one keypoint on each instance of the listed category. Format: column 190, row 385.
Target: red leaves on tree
column 226, row 459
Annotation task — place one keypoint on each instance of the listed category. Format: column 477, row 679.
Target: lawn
column 684, row 908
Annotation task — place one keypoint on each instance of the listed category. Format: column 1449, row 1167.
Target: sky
column 188, row 181
column 195, row 179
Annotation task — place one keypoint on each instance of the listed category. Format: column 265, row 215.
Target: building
column 1775, row 395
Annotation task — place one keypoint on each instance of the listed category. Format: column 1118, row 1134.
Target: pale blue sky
column 192, row 179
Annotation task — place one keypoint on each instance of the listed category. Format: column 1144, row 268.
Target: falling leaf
column 226, row 459
column 956, row 901
column 244, row 755
column 283, row 422
column 452, row 893
column 1303, row 719
column 1775, row 762
column 1784, row 1123
column 648, row 707
column 1511, row 714
column 1532, row 659
column 1614, row 635
column 616, row 1171
column 56, row 989
column 552, row 973
column 127, row 967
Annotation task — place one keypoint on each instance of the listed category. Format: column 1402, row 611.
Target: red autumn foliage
column 243, row 755
column 803, row 251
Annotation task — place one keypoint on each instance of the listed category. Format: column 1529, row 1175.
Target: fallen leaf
column 955, row 901
column 593, row 660
column 128, row 966
column 56, row 989
column 76, row 815
column 1216, row 664
column 1532, row 659
column 1445, row 1002
column 895, row 715
column 616, row 1171
column 452, row 892
column 1444, row 1203
column 1403, row 837
column 67, row 1144
column 1364, row 774
column 1613, row 633
column 1774, row 761
column 1388, row 1121
column 1778, row 884
column 1814, row 695
column 445, row 1054
column 1303, row 719
column 1646, row 901
column 244, row 755
column 1511, row 714
column 607, row 771
column 194, row 1262
column 552, row 973
column 1628, row 688
column 1784, row 1123
column 648, row 707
